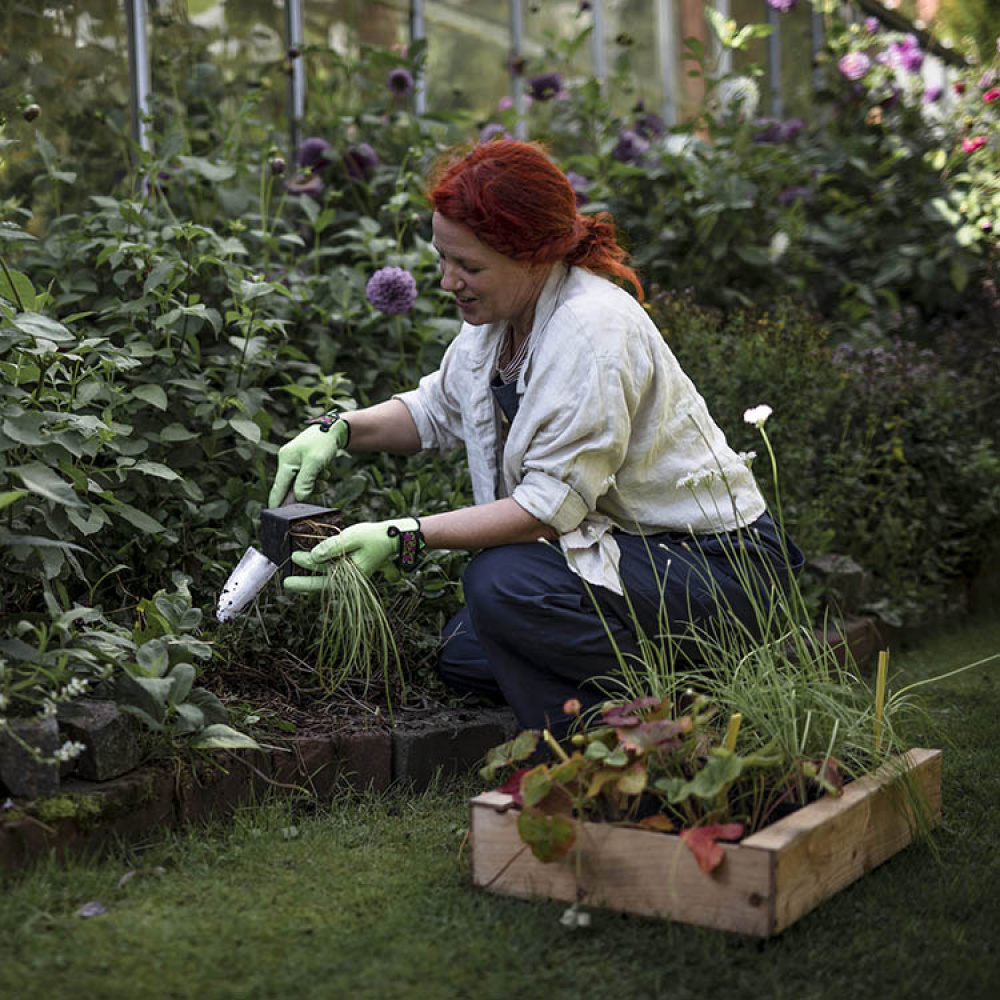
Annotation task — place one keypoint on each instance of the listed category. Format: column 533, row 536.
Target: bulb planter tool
column 286, row 529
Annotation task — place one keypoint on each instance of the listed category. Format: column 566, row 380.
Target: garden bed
column 91, row 816
column 766, row 882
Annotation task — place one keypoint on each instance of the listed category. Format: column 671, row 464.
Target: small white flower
column 575, row 917
column 686, row 482
column 48, row 709
column 75, row 687
column 69, row 750
column 746, row 457
column 758, row 415
column 779, row 244
column 739, row 95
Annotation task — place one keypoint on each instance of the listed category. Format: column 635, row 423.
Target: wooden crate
column 766, row 881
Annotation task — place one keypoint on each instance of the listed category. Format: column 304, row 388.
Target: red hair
column 519, row 203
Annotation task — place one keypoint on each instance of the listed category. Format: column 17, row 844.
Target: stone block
column 421, row 750
column 112, row 748
column 21, row 773
column 847, row 584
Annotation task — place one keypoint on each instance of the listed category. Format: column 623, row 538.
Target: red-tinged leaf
column 632, row 712
column 512, row 786
column 565, row 771
column 664, row 733
column 549, row 837
column 702, row 842
column 659, row 822
column 535, row 785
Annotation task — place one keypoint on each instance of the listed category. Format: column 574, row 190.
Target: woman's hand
column 369, row 545
column 302, row 459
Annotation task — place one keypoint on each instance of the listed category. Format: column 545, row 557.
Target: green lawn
column 369, row 897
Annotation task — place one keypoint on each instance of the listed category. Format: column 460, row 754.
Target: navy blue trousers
column 530, row 634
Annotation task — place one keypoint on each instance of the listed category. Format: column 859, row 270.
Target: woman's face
column 488, row 287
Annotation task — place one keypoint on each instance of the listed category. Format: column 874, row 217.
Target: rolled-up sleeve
column 434, row 408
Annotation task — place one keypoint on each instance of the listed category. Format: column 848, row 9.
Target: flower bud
column 277, row 164
column 31, row 112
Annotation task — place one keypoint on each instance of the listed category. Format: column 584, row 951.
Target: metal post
column 666, row 41
column 597, row 43
column 294, row 38
column 516, row 76
column 138, row 73
column 417, row 32
column 725, row 55
column 774, row 62
column 818, row 39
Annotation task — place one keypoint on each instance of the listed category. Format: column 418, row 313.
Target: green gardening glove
column 369, row 545
column 302, row 459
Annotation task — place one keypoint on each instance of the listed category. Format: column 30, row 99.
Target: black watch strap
column 326, row 421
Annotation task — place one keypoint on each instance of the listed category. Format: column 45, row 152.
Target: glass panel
column 554, row 39
column 468, row 48
column 796, row 61
column 69, row 60
column 630, row 46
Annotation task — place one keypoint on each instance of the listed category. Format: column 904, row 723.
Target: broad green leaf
column 152, row 394
column 176, row 432
column 42, row 481
column 223, row 737
column 13, row 540
column 18, row 289
column 40, row 325
column 214, row 172
column 190, row 719
column 157, row 469
column 250, row 290
column 246, row 427
column 8, row 497
column 182, row 676
column 136, row 517
column 89, row 522
column 153, row 658
column 26, row 428
column 211, row 707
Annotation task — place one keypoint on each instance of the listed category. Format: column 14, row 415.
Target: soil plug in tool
column 284, row 529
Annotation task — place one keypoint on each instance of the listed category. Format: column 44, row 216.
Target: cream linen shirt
column 609, row 433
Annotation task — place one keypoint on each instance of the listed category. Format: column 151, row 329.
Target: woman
column 580, row 429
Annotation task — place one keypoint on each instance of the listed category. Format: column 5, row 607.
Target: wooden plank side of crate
column 833, row 842
column 623, row 868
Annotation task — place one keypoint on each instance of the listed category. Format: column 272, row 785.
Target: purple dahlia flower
column 630, row 146
column 400, row 82
column 493, row 131
column 391, row 290
column 360, row 161
column 872, row 25
column 313, row 153
column 783, row 6
column 932, row 95
column 649, row 125
column 545, row 86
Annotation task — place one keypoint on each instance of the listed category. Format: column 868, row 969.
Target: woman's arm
column 385, row 426
column 502, row 522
